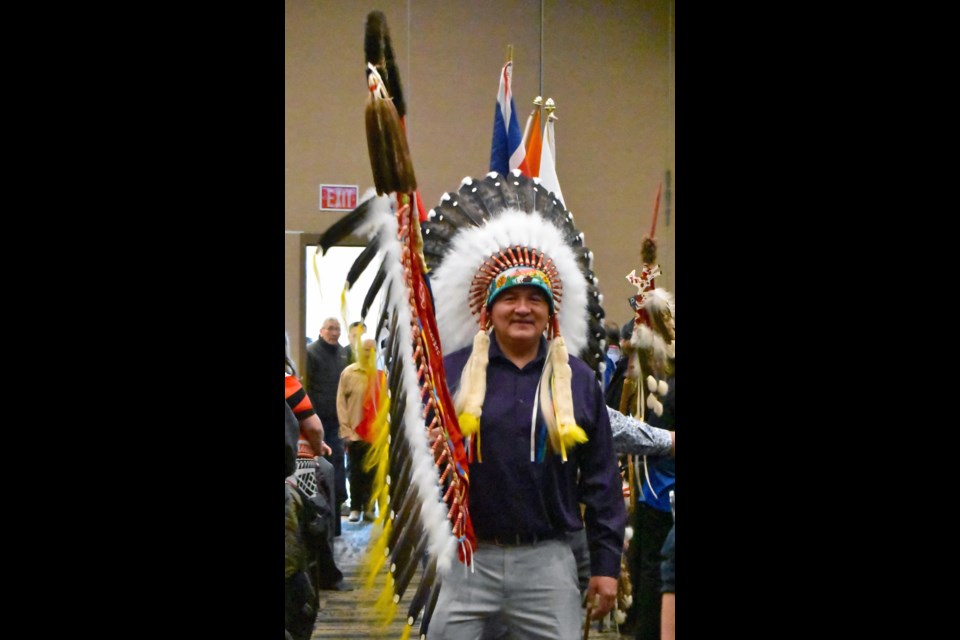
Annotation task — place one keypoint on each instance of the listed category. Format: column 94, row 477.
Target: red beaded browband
column 497, row 263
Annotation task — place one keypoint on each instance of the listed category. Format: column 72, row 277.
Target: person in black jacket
column 615, row 386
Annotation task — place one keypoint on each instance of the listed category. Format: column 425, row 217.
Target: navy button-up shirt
column 511, row 495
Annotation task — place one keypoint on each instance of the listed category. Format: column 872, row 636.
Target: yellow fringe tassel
column 343, row 309
column 376, row 556
column 316, row 266
column 407, row 628
column 385, row 607
column 469, row 424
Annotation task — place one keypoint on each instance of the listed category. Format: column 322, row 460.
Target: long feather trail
column 422, row 505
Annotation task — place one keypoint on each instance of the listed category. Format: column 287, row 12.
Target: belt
column 514, row 539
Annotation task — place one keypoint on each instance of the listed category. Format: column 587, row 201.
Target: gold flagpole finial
column 551, row 106
column 538, row 101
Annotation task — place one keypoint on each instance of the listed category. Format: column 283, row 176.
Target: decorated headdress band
column 512, row 266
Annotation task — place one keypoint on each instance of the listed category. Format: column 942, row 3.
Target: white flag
column 548, row 162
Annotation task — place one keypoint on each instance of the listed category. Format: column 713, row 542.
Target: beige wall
column 608, row 65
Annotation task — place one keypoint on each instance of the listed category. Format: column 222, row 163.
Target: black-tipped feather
column 408, row 512
column 470, row 200
column 405, row 571
column 437, row 231
column 384, row 315
column 431, row 605
column 423, row 590
column 361, row 263
column 373, row 39
column 345, row 226
column 518, row 192
column 457, row 212
column 488, row 189
column 374, row 290
column 392, row 78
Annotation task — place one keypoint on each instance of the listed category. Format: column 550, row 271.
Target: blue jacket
column 661, row 468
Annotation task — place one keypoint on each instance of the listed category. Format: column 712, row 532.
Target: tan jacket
column 350, row 391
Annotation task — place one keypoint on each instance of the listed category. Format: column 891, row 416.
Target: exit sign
column 338, row 197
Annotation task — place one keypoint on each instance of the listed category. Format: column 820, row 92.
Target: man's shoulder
column 352, row 370
column 579, row 367
column 457, row 359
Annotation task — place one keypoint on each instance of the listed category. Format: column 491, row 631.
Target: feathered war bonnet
column 505, row 231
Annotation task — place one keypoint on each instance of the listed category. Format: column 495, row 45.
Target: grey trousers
column 522, row 592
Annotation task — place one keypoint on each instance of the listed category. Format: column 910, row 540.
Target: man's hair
column 358, row 323
column 613, row 332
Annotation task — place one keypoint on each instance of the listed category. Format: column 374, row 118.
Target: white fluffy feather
column 451, row 280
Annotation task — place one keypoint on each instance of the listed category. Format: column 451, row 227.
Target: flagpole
column 656, row 210
column 526, row 130
column 550, row 106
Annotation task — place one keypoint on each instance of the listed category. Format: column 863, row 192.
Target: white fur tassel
column 468, row 401
column 654, row 404
column 567, row 433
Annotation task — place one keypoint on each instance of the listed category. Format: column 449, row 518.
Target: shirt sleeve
column 636, row 437
column 297, row 398
column 601, row 488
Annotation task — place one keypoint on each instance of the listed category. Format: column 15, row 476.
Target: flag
column 533, row 142
column 506, row 149
column 548, row 161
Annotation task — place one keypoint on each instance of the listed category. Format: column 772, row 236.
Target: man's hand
column 601, row 596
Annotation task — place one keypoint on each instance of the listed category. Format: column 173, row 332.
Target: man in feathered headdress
column 539, row 435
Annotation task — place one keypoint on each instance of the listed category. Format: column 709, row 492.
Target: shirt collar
column 496, row 353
